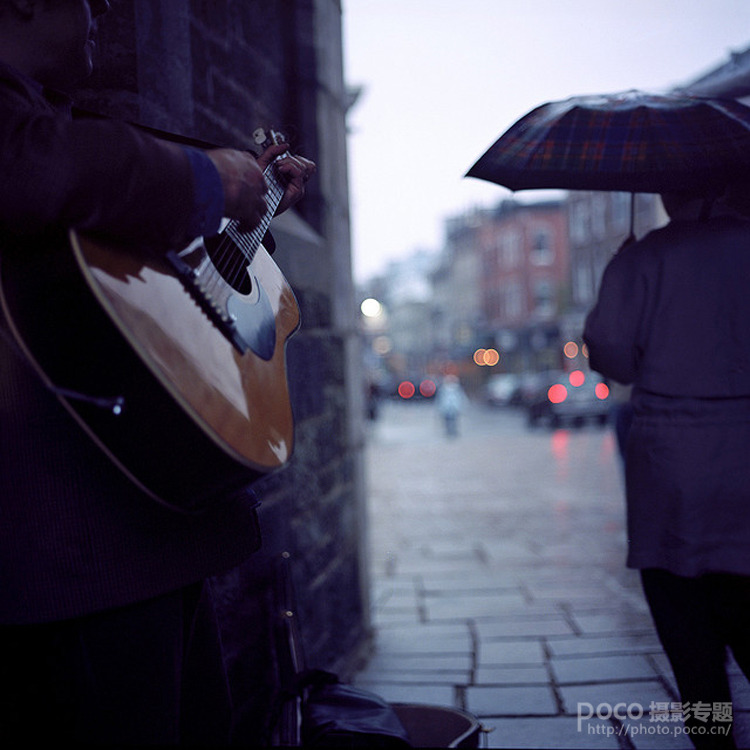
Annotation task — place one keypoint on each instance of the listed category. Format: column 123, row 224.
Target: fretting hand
column 245, row 186
column 243, row 183
column 293, row 171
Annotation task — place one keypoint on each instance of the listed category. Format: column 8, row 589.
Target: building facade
column 524, row 281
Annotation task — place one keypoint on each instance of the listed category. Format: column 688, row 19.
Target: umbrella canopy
column 631, row 141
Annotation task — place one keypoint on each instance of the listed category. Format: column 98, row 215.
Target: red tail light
column 406, row 389
column 427, row 388
column 577, row 378
column 557, row 393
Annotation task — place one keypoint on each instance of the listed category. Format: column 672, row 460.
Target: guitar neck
column 248, row 242
column 275, row 191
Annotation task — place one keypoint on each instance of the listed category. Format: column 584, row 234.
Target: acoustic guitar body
column 176, row 374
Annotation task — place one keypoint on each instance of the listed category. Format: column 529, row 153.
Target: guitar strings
column 234, row 239
column 247, row 242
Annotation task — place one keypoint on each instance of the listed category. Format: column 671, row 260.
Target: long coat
column 76, row 536
column 673, row 319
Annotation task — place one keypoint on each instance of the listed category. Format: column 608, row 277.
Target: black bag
column 338, row 715
column 313, row 708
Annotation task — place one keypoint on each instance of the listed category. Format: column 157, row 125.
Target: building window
column 621, row 212
column 511, row 249
column 583, row 285
column 542, row 253
column 544, row 298
column 598, row 216
column 579, row 230
column 513, row 301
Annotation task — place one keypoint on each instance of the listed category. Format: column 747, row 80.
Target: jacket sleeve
column 612, row 327
column 91, row 175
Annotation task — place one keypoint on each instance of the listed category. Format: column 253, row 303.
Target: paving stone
column 640, row 692
column 414, row 564
column 401, row 596
column 664, row 668
column 562, row 583
column 559, row 732
column 431, row 638
column 383, row 660
column 532, row 627
column 572, row 601
column 623, row 621
column 426, row 692
column 450, row 549
column 396, row 616
column 602, row 669
column 468, row 590
column 472, row 606
column 511, row 675
column 485, row 578
column 415, row 677
column 645, row 734
column 510, row 652
column 604, row 645
column 511, row 701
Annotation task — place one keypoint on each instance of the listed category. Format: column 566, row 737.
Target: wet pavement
column 499, row 584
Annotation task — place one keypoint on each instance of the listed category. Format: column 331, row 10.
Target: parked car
column 503, row 389
column 534, row 383
column 570, row 398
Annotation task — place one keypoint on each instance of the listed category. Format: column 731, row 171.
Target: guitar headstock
column 263, row 139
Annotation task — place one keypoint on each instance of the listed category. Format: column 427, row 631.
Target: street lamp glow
column 491, row 357
column 371, row 308
column 571, row 350
column 486, row 357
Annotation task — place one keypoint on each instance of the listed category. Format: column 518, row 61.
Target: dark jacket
column 88, row 173
column 76, row 536
column 673, row 319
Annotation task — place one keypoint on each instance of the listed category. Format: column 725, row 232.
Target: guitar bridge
column 189, row 279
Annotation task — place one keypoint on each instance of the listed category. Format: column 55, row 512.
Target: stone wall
column 214, row 70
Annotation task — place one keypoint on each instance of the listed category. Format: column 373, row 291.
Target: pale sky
column 444, row 78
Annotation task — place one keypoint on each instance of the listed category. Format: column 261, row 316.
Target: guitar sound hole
column 230, row 262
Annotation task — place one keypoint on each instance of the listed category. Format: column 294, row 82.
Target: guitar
column 175, row 364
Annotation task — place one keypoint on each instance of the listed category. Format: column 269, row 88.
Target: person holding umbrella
column 673, row 319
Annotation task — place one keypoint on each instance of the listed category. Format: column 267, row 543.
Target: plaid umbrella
column 631, row 141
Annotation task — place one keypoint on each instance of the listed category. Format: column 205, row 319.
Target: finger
column 296, row 169
column 271, row 153
column 293, row 194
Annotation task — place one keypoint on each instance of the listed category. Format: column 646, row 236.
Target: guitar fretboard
column 248, row 242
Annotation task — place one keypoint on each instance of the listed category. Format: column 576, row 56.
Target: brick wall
column 214, row 70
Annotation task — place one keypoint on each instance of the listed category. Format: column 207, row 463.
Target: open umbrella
column 631, row 141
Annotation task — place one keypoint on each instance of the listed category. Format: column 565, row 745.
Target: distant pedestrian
column 673, row 319
column 451, row 401
column 372, row 400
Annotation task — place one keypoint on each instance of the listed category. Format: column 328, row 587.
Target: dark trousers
column 150, row 673
column 697, row 619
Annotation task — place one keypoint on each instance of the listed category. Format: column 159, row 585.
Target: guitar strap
column 115, row 404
